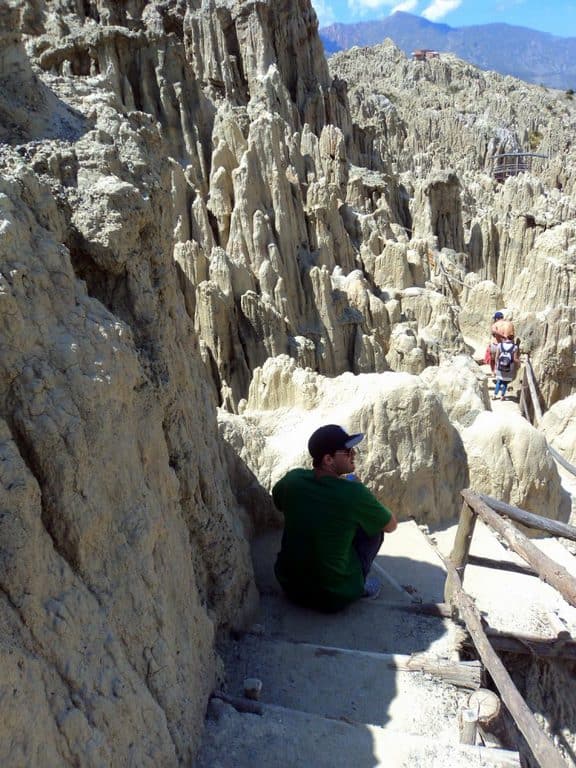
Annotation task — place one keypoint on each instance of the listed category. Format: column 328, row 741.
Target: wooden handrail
column 541, row 747
column 462, row 604
column 530, row 379
column 561, row 460
column 554, row 527
column 546, row 568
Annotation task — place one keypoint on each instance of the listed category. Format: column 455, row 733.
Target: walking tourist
column 507, row 360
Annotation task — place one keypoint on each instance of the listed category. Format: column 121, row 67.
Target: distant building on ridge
column 422, row 54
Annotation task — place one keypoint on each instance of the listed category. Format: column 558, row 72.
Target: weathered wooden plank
column 462, row 674
column 461, row 548
column 501, row 565
column 529, row 519
column 531, row 379
column 542, row 749
column 547, row 569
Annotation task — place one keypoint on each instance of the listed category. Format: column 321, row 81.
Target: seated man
column 333, row 527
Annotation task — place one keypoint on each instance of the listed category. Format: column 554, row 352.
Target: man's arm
column 370, row 502
column 392, row 525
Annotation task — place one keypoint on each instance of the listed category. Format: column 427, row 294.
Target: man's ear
column 327, row 460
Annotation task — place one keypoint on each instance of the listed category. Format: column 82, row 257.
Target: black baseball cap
column 331, row 438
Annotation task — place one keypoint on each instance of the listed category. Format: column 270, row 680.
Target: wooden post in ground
column 461, row 548
column 533, row 393
column 468, row 725
column 547, row 569
column 542, row 749
column 522, row 404
column 486, row 703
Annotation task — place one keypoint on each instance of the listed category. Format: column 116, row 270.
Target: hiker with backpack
column 497, row 334
column 507, row 359
column 333, row 526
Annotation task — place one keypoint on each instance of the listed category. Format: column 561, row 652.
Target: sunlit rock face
column 509, row 460
column 411, row 457
column 442, row 125
column 186, row 192
column 559, row 426
column 426, row 438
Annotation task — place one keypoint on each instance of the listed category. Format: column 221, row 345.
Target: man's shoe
column 372, row 589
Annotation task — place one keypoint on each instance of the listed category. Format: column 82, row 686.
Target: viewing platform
column 513, row 163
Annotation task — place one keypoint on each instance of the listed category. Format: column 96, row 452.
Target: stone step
column 407, row 565
column 266, row 547
column 367, row 625
column 360, row 686
column 286, row 738
column 408, row 556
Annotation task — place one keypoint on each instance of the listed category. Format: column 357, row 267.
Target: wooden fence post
column 542, row 748
column 461, row 548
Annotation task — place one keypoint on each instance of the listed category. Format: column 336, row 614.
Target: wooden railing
column 532, row 411
column 529, row 395
column 490, row 512
column 513, row 163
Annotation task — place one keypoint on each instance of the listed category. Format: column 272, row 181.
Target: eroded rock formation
column 184, row 194
column 442, row 124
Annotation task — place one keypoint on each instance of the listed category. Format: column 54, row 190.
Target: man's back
column 317, row 563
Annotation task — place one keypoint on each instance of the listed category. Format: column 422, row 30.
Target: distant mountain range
column 536, row 57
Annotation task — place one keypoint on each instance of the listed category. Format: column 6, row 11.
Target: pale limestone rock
column 405, row 352
column 461, row 387
column 550, row 338
column 546, row 277
column 436, row 211
column 436, row 323
column 411, row 458
column 391, row 267
column 509, row 460
column 443, row 123
column 559, row 427
column 136, row 550
column 201, row 198
column 475, row 319
column 333, row 159
column 79, row 693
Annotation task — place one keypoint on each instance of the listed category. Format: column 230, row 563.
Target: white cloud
column 324, row 12
column 405, row 5
column 439, row 8
column 370, row 5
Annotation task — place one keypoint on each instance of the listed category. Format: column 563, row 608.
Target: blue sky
column 558, row 17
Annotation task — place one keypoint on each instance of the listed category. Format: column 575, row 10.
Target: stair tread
column 366, row 625
column 330, row 682
column 287, row 738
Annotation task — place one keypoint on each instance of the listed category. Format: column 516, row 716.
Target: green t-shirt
column 317, row 562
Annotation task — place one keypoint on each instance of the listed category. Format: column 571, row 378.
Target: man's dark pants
column 367, row 548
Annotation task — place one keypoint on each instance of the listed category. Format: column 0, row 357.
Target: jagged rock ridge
column 184, row 194
column 534, row 56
